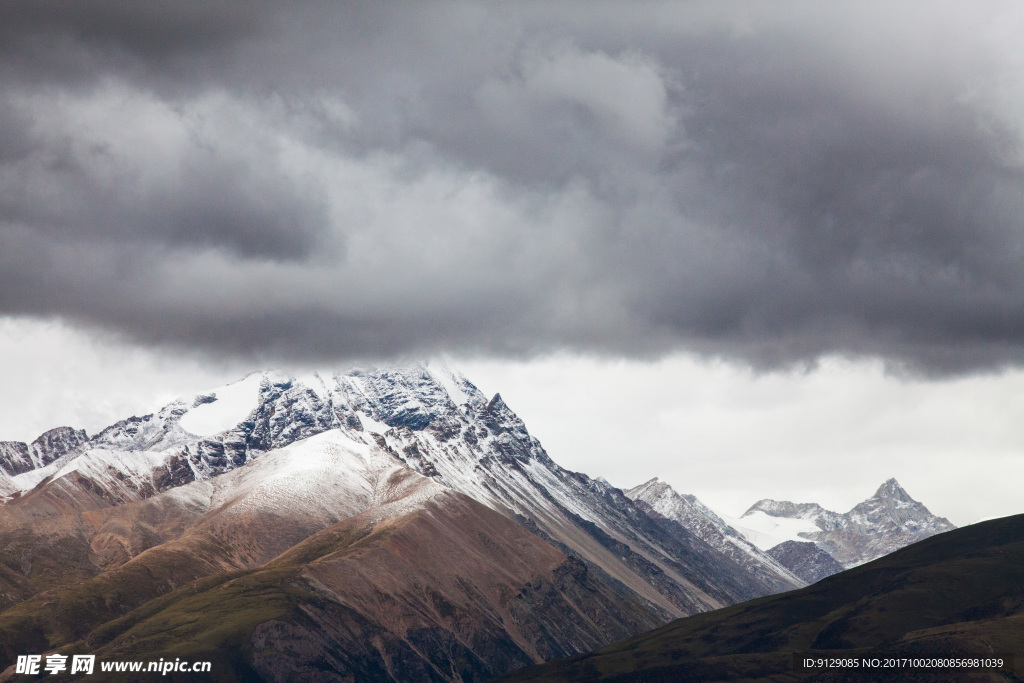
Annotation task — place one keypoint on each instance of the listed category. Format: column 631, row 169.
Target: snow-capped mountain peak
column 891, row 489
column 17, row 457
column 887, row 521
column 434, row 422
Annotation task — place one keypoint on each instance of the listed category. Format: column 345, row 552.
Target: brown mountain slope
column 957, row 593
column 434, row 586
column 448, row 590
column 251, row 515
column 435, row 421
column 414, row 579
column 41, row 549
column 240, row 520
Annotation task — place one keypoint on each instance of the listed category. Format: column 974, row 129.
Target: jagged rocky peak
column 665, row 500
column 784, row 508
column 410, row 395
column 500, row 419
column 57, row 442
column 659, row 499
column 892, row 507
column 887, row 521
column 891, row 489
column 17, row 457
column 651, row 488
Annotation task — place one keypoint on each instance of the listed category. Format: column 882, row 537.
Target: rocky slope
column 17, row 457
column 958, row 593
column 227, row 480
column 660, row 500
column 329, row 557
column 885, row 522
column 806, row 560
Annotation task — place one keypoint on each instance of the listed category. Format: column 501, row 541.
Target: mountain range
column 954, row 598
column 887, row 521
column 384, row 524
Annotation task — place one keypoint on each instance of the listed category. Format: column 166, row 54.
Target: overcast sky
column 720, row 195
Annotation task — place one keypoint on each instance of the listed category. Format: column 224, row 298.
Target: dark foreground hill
column 958, row 593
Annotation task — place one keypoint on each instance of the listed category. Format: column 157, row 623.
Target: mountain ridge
column 660, row 499
column 227, row 480
column 877, row 526
column 959, row 593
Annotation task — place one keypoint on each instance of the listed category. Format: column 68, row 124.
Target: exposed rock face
column 14, row 457
column 356, row 567
column 208, row 485
column 17, row 457
column 806, row 560
column 522, row 603
column 887, row 521
column 661, row 500
column 825, row 519
column 957, row 593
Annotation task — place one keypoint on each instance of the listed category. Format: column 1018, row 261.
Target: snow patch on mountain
column 231, row 405
column 458, row 388
column 329, row 475
column 885, row 522
column 371, row 425
column 766, row 531
column 315, row 382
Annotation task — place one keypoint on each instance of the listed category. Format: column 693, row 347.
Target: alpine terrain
column 956, row 597
column 381, row 523
column 375, row 524
column 659, row 499
column 814, row 542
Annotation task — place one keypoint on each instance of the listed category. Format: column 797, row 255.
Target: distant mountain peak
column 659, row 498
column 892, row 489
column 888, row 520
column 785, row 508
column 653, row 485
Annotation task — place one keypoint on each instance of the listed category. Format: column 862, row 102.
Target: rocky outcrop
column 660, row 500
column 806, row 560
column 885, row 522
column 431, row 422
column 17, row 457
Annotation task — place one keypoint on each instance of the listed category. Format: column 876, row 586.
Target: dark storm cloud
column 71, row 41
column 339, row 180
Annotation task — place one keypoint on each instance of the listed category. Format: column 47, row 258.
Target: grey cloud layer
column 512, row 178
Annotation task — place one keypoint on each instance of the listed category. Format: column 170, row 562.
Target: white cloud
column 722, row 432
column 830, row 435
column 55, row 375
